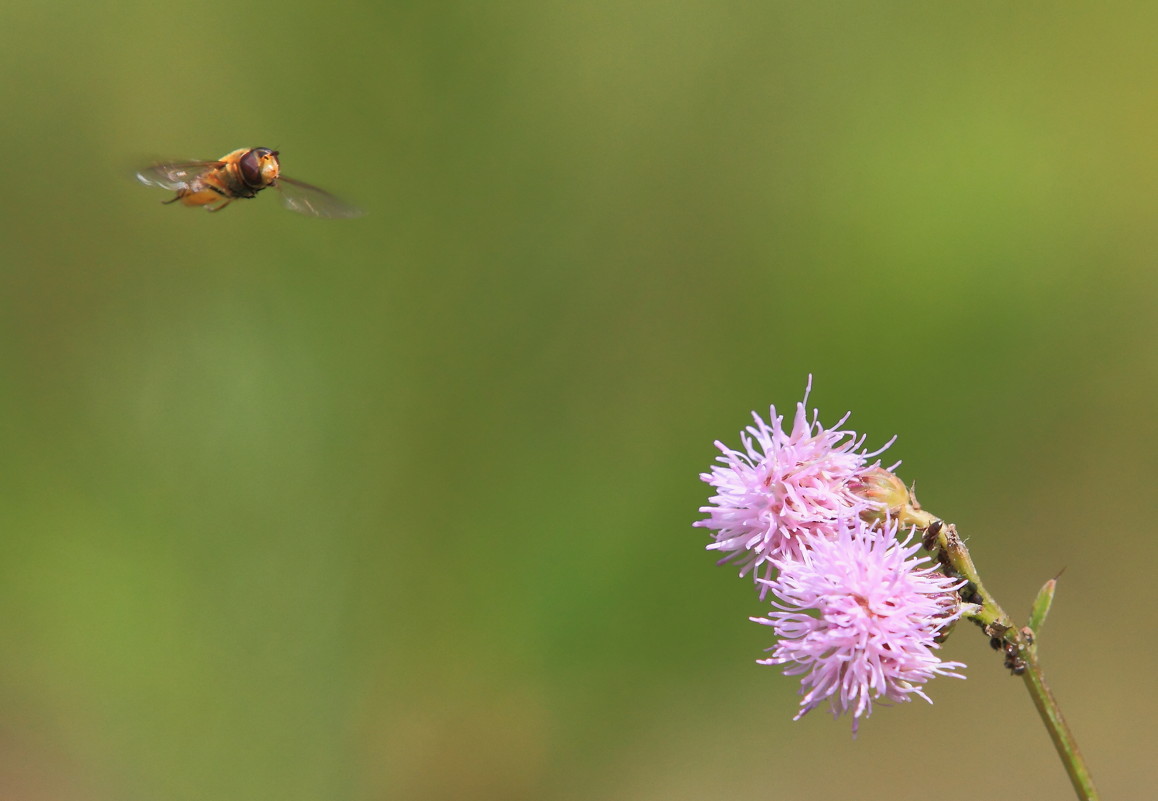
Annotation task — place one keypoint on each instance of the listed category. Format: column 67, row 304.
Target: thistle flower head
column 859, row 615
column 781, row 490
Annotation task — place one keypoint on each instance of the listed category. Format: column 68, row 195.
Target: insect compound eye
column 250, row 167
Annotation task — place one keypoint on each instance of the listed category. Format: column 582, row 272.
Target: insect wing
column 310, row 200
column 176, row 174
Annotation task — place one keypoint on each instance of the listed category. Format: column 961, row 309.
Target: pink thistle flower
column 860, row 617
column 782, row 490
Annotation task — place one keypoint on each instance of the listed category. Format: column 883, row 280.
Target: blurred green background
column 400, row 507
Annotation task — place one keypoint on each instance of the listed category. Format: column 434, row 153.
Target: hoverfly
column 241, row 174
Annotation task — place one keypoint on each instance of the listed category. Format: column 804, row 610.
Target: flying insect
column 241, row 174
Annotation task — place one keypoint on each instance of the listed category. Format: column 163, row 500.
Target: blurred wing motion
column 306, row 199
column 176, row 175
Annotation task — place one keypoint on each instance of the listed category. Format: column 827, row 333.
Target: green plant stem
column 1059, row 732
column 1000, row 628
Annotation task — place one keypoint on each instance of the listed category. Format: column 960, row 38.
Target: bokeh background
column 400, row 507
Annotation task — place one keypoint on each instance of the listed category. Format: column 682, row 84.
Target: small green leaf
column 1041, row 605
